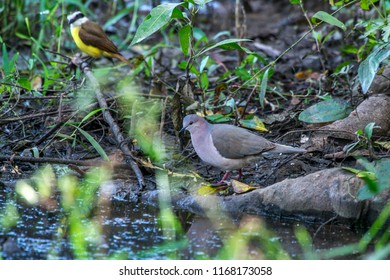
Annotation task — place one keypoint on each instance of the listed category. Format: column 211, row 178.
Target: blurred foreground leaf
column 9, row 216
column 207, row 189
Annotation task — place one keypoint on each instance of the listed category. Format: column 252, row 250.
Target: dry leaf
column 239, row 187
column 303, row 75
column 384, row 144
column 36, row 82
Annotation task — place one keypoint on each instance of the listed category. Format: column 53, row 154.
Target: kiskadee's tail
column 122, row 58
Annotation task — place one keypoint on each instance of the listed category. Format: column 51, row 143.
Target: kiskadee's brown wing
column 92, row 34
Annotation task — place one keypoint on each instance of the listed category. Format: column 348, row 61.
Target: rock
column 374, row 109
column 317, row 197
column 381, row 83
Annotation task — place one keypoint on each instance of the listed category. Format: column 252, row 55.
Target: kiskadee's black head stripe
column 76, row 17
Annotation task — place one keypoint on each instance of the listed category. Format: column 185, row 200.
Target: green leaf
column 368, row 177
column 24, row 189
column 9, row 216
column 5, row 56
column 94, row 143
column 185, row 39
column 184, row 64
column 218, row 118
column 342, row 68
column 359, row 132
column 365, row 4
column 368, row 130
column 349, row 49
column 367, row 69
column 158, row 17
column 243, row 74
column 382, row 173
column 368, row 165
column 228, row 44
column 8, row 65
column 294, row 2
column 199, row 35
column 25, row 83
column 376, row 177
column 324, row 16
column 204, row 80
column 90, row 114
column 263, row 87
column 203, row 63
column 326, row 111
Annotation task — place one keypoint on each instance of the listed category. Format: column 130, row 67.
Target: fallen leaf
column 254, row 123
column 207, row 189
column 303, row 75
column 384, row 144
column 36, row 83
column 239, row 187
column 326, row 111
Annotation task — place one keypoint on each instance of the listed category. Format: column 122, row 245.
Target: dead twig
column 54, row 160
column 120, row 139
column 32, row 116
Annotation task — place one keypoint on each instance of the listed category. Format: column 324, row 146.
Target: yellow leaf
column 255, row 123
column 36, row 83
column 384, row 144
column 239, row 187
column 207, row 189
column 303, row 75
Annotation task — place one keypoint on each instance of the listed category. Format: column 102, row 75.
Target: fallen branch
column 52, row 160
column 120, row 139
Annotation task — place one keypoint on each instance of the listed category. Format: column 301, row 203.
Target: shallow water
column 134, row 232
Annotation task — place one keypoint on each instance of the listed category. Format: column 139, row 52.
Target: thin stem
column 311, row 27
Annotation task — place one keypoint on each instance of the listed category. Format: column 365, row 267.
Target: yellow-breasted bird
column 91, row 39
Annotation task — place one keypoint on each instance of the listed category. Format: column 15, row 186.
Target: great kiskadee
column 91, row 39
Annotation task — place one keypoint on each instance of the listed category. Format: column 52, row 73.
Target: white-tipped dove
column 229, row 147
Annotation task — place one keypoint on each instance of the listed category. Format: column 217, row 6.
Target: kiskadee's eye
column 80, row 15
